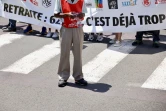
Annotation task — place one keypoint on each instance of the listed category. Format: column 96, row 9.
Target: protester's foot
column 6, row 26
column 55, row 35
column 99, row 38
column 117, row 44
column 44, row 31
column 156, row 44
column 137, row 42
column 112, row 41
column 91, row 37
column 62, row 83
column 9, row 29
column 49, row 34
column 28, row 30
column 81, row 82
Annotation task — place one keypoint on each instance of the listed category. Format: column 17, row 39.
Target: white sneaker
column 91, row 37
column 117, row 44
column 55, row 35
column 147, row 35
column 113, row 41
column 49, row 34
column 99, row 38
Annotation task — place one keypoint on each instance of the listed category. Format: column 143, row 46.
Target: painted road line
column 35, row 59
column 8, row 38
column 94, row 70
column 158, row 78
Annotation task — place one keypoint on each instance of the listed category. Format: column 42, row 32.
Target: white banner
column 38, row 12
column 102, row 16
column 0, row 8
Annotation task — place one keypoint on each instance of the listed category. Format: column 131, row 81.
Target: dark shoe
column 44, row 31
column 62, row 83
column 137, row 42
column 9, row 29
column 5, row 27
column 28, row 30
column 156, row 44
column 81, row 82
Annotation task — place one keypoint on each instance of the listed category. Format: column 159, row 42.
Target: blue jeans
column 12, row 23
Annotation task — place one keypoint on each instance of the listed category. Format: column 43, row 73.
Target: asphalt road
column 126, row 78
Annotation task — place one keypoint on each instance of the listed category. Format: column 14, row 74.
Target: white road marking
column 94, row 70
column 35, row 59
column 8, row 38
column 158, row 78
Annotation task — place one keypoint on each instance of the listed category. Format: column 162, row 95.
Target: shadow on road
column 18, row 27
column 95, row 87
column 147, row 48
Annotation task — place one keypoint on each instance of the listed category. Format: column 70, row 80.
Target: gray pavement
column 119, row 90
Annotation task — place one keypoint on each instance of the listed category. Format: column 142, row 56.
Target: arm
column 72, row 16
column 58, row 12
column 84, row 10
column 62, row 15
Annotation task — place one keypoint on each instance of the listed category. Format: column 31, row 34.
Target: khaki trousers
column 71, row 37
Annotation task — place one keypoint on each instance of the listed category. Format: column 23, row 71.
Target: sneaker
column 9, row 29
column 28, row 30
column 99, row 38
column 44, row 31
column 55, row 35
column 113, row 41
column 91, row 37
column 6, row 26
column 147, row 35
column 62, row 83
column 137, row 42
column 81, row 82
column 49, row 34
column 156, row 44
column 117, row 44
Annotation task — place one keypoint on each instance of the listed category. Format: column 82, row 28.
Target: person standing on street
column 117, row 40
column 139, row 36
column 29, row 30
column 55, row 35
column 11, row 27
column 71, row 34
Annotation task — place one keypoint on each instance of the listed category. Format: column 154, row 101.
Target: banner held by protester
column 102, row 16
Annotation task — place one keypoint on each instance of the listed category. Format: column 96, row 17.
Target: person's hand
column 64, row 15
column 81, row 15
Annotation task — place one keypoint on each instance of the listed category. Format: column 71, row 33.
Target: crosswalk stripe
column 105, row 61
column 35, row 59
column 158, row 78
column 8, row 38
